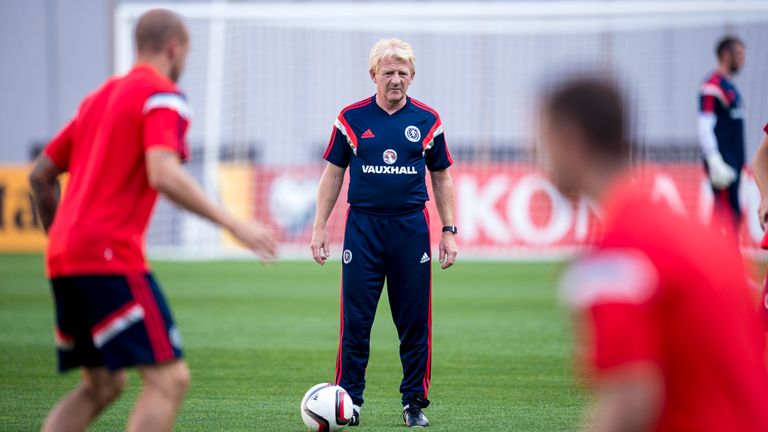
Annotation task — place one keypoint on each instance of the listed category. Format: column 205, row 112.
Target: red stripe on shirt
column 708, row 105
column 350, row 132
column 437, row 124
column 330, row 143
column 424, row 106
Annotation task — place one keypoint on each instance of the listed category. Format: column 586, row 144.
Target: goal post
column 266, row 80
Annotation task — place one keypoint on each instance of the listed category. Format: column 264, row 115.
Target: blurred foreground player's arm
column 167, row 176
column 609, row 293
column 45, row 173
column 720, row 173
column 165, row 150
column 760, row 165
column 627, row 402
column 164, row 172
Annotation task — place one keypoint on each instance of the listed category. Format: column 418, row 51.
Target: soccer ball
column 326, row 408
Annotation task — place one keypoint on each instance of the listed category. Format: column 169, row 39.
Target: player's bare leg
column 99, row 388
column 164, row 388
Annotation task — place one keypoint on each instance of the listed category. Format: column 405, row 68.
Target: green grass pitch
column 257, row 337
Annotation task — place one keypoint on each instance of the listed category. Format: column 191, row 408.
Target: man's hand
column 166, row 175
column 448, row 250
column 255, row 236
column 720, row 173
column 319, row 245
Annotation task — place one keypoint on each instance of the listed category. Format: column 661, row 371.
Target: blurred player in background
column 124, row 145
column 388, row 141
column 670, row 335
column 760, row 166
column 721, row 128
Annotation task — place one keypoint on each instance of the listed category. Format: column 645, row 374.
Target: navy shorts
column 117, row 321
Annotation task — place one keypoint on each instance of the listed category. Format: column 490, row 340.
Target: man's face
column 392, row 79
column 736, row 58
column 178, row 50
column 563, row 153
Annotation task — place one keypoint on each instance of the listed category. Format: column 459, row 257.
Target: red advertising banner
column 502, row 209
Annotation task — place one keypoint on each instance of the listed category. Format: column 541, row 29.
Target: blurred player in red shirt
column 669, row 332
column 124, row 145
column 760, row 165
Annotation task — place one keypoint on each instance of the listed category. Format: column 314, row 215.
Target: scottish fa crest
column 390, row 156
column 413, row 133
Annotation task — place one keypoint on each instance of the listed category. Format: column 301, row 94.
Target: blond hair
column 392, row 48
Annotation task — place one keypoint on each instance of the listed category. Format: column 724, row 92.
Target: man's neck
column 384, row 104
column 160, row 65
column 602, row 179
column 724, row 71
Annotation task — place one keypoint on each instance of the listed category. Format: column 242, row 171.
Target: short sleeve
column 611, row 293
column 60, row 147
column 166, row 119
column 710, row 94
column 765, row 128
column 707, row 104
column 339, row 151
column 438, row 157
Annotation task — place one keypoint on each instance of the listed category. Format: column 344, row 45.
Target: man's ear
column 373, row 75
column 174, row 45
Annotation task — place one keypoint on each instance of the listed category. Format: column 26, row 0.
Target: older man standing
column 387, row 141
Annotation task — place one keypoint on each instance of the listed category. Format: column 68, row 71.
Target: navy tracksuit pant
column 395, row 249
column 727, row 202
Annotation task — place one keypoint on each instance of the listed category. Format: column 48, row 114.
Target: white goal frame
column 524, row 17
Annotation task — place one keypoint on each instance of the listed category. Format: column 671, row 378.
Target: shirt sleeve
column 436, row 152
column 60, row 147
column 612, row 295
column 710, row 94
column 707, row 103
column 438, row 157
column 166, row 119
column 339, row 151
column 765, row 128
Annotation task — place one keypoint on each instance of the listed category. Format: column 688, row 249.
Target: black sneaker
column 414, row 417
column 355, row 418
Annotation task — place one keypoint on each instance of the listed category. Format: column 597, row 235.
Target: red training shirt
column 100, row 223
column 661, row 288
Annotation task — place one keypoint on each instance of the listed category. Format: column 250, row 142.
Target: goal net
column 266, row 81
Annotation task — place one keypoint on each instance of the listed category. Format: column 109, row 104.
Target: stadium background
column 267, row 79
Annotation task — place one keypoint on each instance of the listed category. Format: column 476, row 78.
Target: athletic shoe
column 414, row 417
column 355, row 418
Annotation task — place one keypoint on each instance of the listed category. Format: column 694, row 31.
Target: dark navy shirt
column 388, row 154
column 719, row 96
